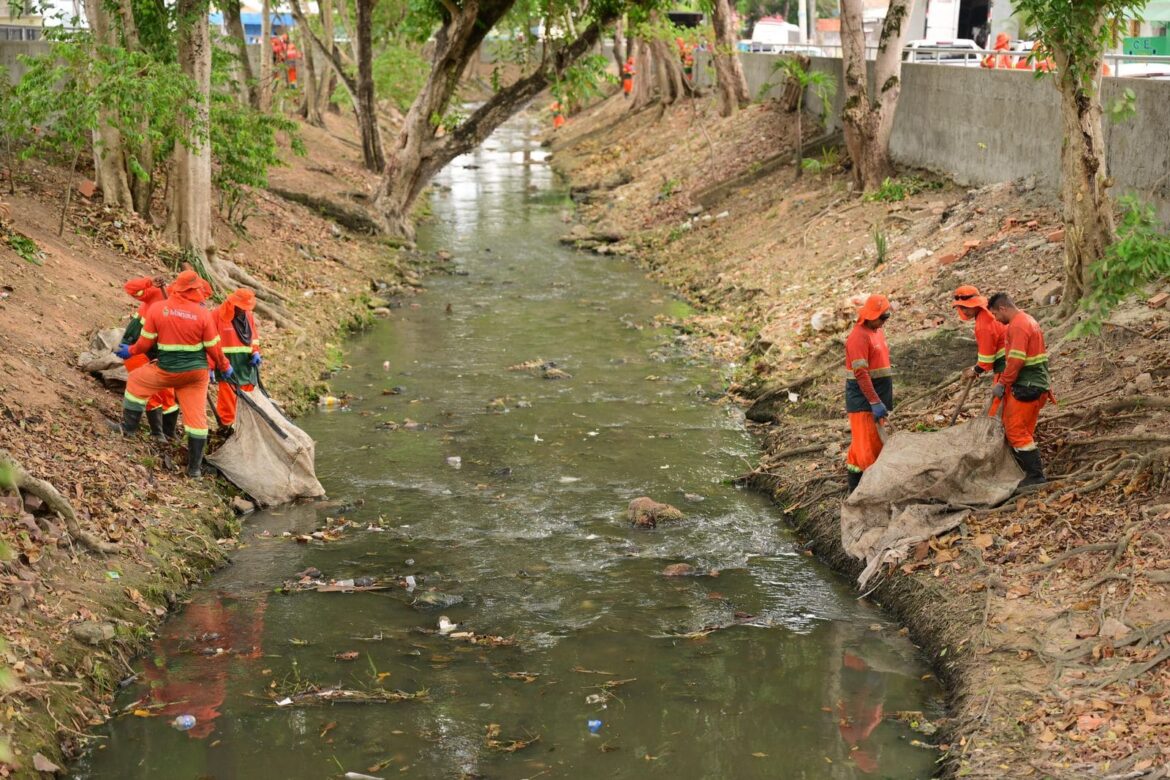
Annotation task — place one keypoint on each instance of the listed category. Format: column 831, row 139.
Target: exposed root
column 21, row 480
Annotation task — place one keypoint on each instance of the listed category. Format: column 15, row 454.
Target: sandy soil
column 54, row 420
column 1048, row 618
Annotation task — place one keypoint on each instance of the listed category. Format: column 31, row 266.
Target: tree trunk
column 264, row 88
column 367, row 100
column 867, row 122
column 328, row 79
column 141, row 189
column 799, row 141
column 644, row 77
column 109, row 148
column 235, row 30
column 732, row 86
column 1087, row 207
column 309, row 107
column 619, row 53
column 420, row 151
column 191, row 211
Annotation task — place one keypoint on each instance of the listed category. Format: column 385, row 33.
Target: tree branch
column 332, row 53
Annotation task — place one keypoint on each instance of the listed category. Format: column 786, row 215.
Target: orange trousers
column 866, row 443
column 226, row 401
column 163, row 399
column 190, row 389
column 627, row 85
column 1019, row 420
column 558, row 121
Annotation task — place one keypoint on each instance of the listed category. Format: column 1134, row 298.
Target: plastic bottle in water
column 184, row 722
column 594, row 726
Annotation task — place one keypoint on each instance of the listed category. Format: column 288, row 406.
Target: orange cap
column 1003, row 42
column 243, row 298
column 185, row 281
column 136, row 288
column 968, row 296
column 875, row 306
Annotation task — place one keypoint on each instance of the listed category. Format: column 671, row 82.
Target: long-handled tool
column 962, row 400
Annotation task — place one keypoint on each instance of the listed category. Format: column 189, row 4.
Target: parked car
column 807, row 51
column 950, row 52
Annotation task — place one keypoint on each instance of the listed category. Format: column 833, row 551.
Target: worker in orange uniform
column 162, row 413
column 1003, row 43
column 989, row 332
column 186, row 335
column 291, row 56
column 1023, row 387
column 628, row 76
column 241, row 344
column 686, row 58
column 1037, row 60
column 869, row 386
column 558, row 115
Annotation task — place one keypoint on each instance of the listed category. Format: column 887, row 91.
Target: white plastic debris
column 455, row 462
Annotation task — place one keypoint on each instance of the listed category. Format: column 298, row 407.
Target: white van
column 772, row 33
column 949, row 52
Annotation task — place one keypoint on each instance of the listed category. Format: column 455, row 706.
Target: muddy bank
column 1047, row 618
column 72, row 619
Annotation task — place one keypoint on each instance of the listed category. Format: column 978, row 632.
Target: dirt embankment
column 1047, row 618
column 71, row 619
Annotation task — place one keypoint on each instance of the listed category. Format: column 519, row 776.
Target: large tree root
column 269, row 302
column 21, row 480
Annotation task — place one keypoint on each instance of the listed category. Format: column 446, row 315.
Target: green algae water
column 502, row 495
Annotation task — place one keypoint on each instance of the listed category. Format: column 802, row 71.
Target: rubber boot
column 170, row 424
column 854, row 479
column 130, row 420
column 1029, row 461
column 155, row 418
column 195, row 447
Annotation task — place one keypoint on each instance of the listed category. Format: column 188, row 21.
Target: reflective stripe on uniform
column 860, row 363
column 148, row 335
column 874, row 373
column 171, row 409
column 1017, row 354
column 1036, row 359
column 133, row 402
column 236, row 350
column 211, row 343
column 181, row 347
column 198, row 433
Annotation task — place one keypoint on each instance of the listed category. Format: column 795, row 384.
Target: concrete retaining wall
column 11, row 51
column 982, row 127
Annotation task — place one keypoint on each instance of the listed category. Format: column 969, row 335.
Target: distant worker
column 1037, row 60
column 162, row 413
column 185, row 334
column 241, row 344
column 291, row 56
column 989, row 332
column 686, row 58
column 1023, row 387
column 869, row 386
column 628, row 76
column 558, row 115
column 1003, row 43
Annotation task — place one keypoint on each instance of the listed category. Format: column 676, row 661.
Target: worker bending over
column 1023, row 387
column 186, row 335
column 162, row 412
column 989, row 333
column 241, row 345
column 628, row 76
column 869, row 386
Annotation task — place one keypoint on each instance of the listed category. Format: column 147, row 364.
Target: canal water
column 502, row 494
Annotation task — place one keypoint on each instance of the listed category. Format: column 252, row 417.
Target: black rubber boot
column 854, row 480
column 155, row 418
column 130, row 420
column 195, row 447
column 170, row 424
column 1029, row 461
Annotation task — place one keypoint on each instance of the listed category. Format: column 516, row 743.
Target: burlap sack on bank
column 925, row 484
column 268, row 457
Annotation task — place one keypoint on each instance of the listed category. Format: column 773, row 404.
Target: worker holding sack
column 186, row 335
column 990, row 334
column 869, row 386
column 1023, row 387
column 241, row 344
column 162, row 412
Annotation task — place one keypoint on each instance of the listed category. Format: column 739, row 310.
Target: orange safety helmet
column 875, row 306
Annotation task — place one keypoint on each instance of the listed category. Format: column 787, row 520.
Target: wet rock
column 678, row 570
column 645, row 512
column 92, row 633
column 555, row 373
column 242, row 506
column 442, row 255
column 1047, row 293
column 381, row 312
column 433, row 599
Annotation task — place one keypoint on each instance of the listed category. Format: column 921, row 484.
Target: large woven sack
column 924, row 484
column 267, row 457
